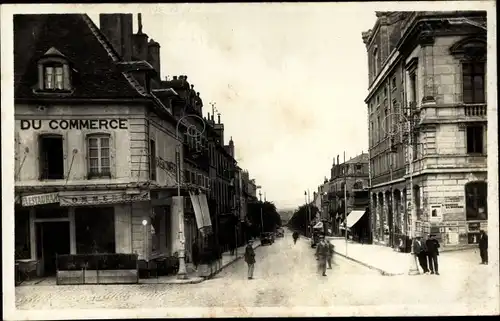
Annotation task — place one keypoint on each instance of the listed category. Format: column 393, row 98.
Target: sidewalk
column 193, row 278
column 389, row 262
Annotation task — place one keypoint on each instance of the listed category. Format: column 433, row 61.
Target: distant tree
column 270, row 220
column 300, row 218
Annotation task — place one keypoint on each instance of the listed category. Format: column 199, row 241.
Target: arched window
column 476, row 201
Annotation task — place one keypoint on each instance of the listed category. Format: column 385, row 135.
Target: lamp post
column 413, row 268
column 146, row 238
column 195, row 133
column 308, row 221
column 261, row 217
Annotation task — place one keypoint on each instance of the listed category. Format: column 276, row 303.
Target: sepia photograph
column 249, row 160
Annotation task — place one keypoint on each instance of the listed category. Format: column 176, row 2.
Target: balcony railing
column 475, row 111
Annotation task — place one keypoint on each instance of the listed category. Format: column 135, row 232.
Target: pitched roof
column 77, row 38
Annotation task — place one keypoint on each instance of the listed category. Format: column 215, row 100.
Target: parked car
column 266, row 238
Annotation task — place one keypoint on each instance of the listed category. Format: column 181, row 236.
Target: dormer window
column 54, row 73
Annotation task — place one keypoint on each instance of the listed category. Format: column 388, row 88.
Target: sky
column 289, row 81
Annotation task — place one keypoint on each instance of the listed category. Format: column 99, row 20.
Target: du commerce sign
column 74, row 124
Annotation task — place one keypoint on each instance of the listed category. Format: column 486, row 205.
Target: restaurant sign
column 101, row 199
column 40, row 199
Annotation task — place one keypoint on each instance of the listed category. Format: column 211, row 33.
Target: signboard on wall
column 101, row 199
column 40, row 199
column 453, row 204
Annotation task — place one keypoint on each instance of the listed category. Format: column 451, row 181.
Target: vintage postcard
column 249, row 159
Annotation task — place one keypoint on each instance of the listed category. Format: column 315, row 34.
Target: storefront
column 77, row 222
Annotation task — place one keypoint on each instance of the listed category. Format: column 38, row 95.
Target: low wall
column 97, row 277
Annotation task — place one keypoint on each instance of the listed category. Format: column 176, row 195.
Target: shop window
column 152, row 160
column 476, row 201
column 22, row 235
column 95, row 230
column 99, row 155
column 475, row 139
column 473, row 82
column 51, row 157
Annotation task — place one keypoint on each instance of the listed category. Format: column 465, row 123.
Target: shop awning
column 354, row 217
column 200, row 206
column 318, row 225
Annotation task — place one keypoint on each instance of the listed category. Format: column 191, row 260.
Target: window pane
column 59, row 71
column 468, row 96
column 479, row 68
column 104, row 152
column 104, row 142
column 93, row 152
column 105, row 162
column 93, row 142
column 466, row 68
column 49, row 72
column 59, row 82
column 105, row 170
column 467, row 82
column 94, row 163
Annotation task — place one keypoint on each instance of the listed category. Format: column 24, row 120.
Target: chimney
column 117, row 27
column 208, row 116
column 175, row 77
column 140, row 42
column 338, row 160
column 154, row 56
column 231, row 146
column 334, row 161
column 213, row 122
column 218, row 118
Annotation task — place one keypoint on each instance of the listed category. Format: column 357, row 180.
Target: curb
column 371, row 267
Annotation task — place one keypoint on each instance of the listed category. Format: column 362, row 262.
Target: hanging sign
column 98, row 199
column 40, row 199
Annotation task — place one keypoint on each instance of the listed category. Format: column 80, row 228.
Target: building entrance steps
column 389, row 262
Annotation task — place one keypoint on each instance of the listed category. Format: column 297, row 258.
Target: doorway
column 51, row 238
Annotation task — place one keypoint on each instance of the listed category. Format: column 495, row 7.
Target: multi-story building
column 85, row 162
column 349, row 186
column 427, row 91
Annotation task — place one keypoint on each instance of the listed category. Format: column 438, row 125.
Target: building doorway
column 52, row 238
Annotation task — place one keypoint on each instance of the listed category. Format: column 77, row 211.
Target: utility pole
column 261, row 217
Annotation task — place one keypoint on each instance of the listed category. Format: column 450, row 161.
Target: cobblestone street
column 285, row 276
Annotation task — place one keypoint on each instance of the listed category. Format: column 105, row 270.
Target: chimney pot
column 198, row 94
column 185, row 77
column 192, row 86
column 218, row 118
column 208, row 116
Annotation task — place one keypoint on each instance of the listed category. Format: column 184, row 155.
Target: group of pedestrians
column 427, row 252
column 324, row 255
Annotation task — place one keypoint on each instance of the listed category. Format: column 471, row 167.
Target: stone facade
column 428, row 74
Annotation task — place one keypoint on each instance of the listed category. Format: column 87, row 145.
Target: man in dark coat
column 321, row 255
column 420, row 251
column 250, row 258
column 432, row 253
column 483, row 246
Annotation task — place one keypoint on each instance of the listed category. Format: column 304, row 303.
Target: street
column 285, row 276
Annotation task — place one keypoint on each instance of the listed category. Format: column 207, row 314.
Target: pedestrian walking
column 483, row 246
column 295, row 236
column 321, row 255
column 331, row 250
column 420, row 251
column 250, row 258
column 432, row 253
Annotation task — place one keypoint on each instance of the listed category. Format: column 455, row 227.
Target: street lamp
column 192, row 131
column 413, row 268
column 261, row 217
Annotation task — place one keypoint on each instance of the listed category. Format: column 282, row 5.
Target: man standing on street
column 483, row 246
column 432, row 252
column 250, row 258
column 420, row 252
column 331, row 250
column 321, row 254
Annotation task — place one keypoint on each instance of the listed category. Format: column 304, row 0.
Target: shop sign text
column 40, row 199
column 103, row 199
column 75, row 124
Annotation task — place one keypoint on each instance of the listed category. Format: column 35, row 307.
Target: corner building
column 86, row 162
column 427, row 79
